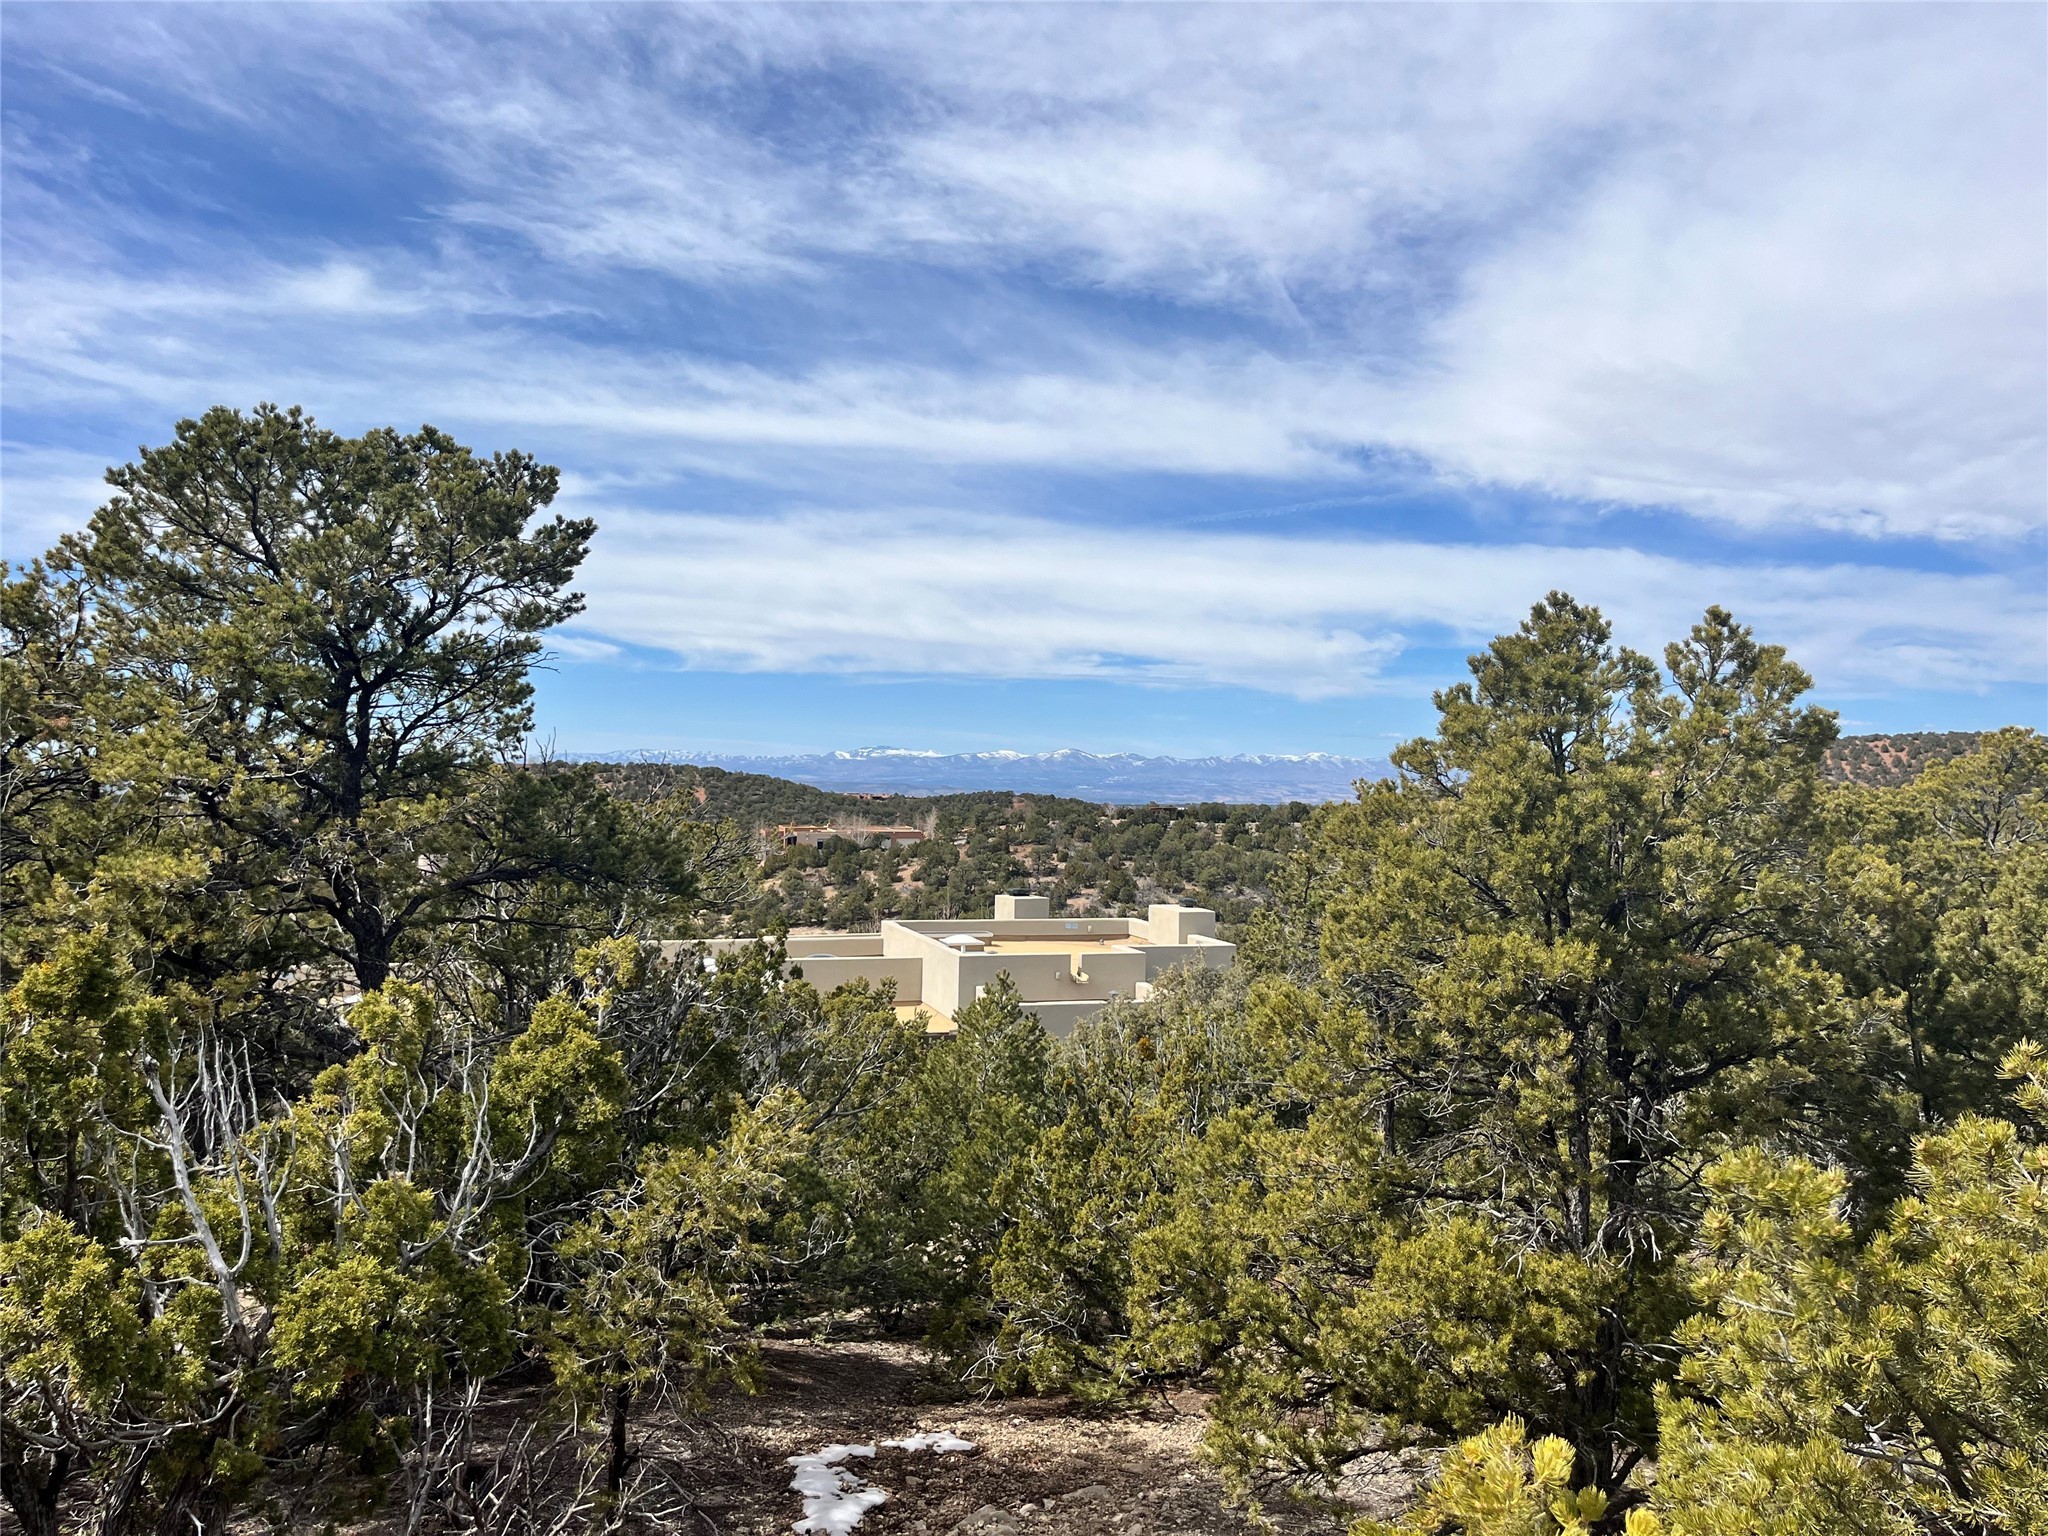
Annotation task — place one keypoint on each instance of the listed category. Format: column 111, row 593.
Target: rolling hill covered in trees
column 1883, row 759
column 1087, row 857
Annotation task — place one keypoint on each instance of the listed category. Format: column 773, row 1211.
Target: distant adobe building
column 816, row 835
column 1066, row 969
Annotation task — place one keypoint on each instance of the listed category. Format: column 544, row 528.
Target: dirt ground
column 1040, row 1464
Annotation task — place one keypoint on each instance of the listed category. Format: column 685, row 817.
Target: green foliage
column 46, row 781
column 1940, row 888
column 241, row 1279
column 309, row 641
column 70, row 1031
column 558, row 1081
column 657, row 1272
column 361, row 1319
column 72, row 1330
column 1132, row 1089
column 80, row 1359
column 1559, row 970
column 1895, row 1385
column 913, row 1190
column 1555, row 1108
column 259, row 721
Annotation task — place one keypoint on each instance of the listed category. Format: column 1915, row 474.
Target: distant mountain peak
column 1125, row 778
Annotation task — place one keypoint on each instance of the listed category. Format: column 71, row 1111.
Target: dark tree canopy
column 319, row 640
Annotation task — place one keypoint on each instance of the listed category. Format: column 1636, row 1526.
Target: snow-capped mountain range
column 1122, row 778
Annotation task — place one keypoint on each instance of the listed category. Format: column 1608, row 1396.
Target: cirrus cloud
column 924, row 592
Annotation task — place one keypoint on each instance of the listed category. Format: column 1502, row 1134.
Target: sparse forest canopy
column 1887, row 760
column 1635, row 1083
column 1087, row 858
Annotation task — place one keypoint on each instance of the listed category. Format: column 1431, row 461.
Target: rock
column 989, row 1520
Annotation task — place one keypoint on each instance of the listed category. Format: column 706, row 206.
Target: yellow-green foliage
column 351, row 1253
column 1836, row 1387
column 1496, row 1483
column 70, row 1030
column 71, row 1321
column 390, row 1305
column 658, row 1271
column 557, row 1078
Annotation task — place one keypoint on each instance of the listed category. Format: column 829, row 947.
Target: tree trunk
column 118, row 1505
column 369, row 940
column 1579, row 1134
column 1925, row 1099
column 32, row 1482
column 193, row 1505
column 617, row 1457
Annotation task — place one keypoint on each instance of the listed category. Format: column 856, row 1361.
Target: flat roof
column 1059, row 946
column 936, row 1023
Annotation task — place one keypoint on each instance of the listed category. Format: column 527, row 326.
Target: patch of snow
column 930, row 1440
column 835, row 1499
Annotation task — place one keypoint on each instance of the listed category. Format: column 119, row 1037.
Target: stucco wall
column 827, row 974
column 946, row 979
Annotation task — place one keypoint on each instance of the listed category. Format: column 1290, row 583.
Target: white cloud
column 1825, row 309
column 1940, row 463
column 927, row 592
column 166, row 347
column 1779, row 266
column 571, row 646
column 44, row 494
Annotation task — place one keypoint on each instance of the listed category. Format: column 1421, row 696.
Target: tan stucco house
column 1066, row 968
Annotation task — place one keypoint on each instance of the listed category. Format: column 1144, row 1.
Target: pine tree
column 1560, row 969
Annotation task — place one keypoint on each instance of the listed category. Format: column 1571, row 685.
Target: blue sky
column 1170, row 379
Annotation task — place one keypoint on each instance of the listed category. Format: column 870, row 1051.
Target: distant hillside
column 1089, row 858
column 1883, row 760
column 762, row 800
column 1119, row 778
column 1087, row 854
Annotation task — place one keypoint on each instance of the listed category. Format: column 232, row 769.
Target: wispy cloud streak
column 916, row 591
